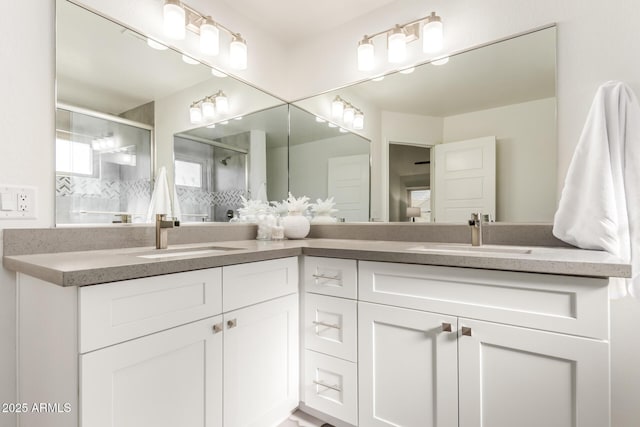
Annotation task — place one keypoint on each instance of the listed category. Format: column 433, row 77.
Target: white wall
column 310, row 177
column 26, row 153
column 525, row 156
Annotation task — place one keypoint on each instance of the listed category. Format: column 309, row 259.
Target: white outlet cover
column 14, row 207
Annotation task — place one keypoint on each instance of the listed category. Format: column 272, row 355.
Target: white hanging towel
column 600, row 203
column 160, row 199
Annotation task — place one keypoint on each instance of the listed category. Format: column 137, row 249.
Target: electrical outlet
column 17, row 202
column 23, row 202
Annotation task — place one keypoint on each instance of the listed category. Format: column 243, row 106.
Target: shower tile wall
column 113, row 185
column 223, row 182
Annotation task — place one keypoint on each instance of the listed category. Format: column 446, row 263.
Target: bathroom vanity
column 388, row 333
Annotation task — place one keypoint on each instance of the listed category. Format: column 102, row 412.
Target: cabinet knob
column 446, row 327
column 466, row 331
column 217, row 328
column 232, row 323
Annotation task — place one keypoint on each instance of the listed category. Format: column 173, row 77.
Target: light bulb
column 397, row 45
column 441, row 61
column 209, row 37
column 195, row 114
column 432, row 36
column 155, row 45
column 208, row 109
column 365, row 55
column 218, row 73
column 337, row 108
column 174, row 20
column 349, row 112
column 189, row 60
column 222, row 103
column 238, row 53
column 358, row 120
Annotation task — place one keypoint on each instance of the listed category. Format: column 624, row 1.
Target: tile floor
column 300, row 419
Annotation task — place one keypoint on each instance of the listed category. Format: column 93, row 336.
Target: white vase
column 296, row 226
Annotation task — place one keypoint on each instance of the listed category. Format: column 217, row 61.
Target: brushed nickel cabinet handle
column 332, row 387
column 217, row 328
column 328, row 325
column 232, row 323
column 446, row 327
column 466, row 331
column 322, row 276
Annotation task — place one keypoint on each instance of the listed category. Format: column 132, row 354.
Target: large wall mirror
column 474, row 131
column 123, row 105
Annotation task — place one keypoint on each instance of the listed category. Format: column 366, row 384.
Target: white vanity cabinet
column 329, row 324
column 261, row 343
column 164, row 350
column 513, row 349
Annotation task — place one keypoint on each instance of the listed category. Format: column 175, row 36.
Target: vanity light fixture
column 337, row 108
column 174, row 20
column 365, row 54
column 358, row 120
column 195, row 113
column 432, row 34
column 397, row 45
column 179, row 17
column 205, row 109
column 238, row 53
column 209, row 37
column 208, row 109
column 399, row 36
column 345, row 111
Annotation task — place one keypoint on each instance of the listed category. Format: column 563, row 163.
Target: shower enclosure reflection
column 103, row 167
column 209, row 178
column 215, row 166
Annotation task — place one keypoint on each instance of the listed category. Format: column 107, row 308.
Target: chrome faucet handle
column 476, row 219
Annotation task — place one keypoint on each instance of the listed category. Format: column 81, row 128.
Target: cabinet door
column 171, row 378
column 261, row 367
column 511, row 376
column 407, row 368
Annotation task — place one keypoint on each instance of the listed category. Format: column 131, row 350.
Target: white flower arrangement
column 252, row 209
column 324, row 207
column 323, row 211
column 299, row 204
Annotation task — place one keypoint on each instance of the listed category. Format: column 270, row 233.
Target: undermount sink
column 168, row 253
column 468, row 249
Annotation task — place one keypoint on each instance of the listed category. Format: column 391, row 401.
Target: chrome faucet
column 162, row 226
column 476, row 229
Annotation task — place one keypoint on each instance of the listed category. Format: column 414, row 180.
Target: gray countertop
column 102, row 266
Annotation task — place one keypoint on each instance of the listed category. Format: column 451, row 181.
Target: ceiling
column 291, row 20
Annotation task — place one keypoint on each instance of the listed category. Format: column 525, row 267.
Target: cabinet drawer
column 119, row 311
column 567, row 304
column 331, row 276
column 330, row 326
column 331, row 386
column 251, row 283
